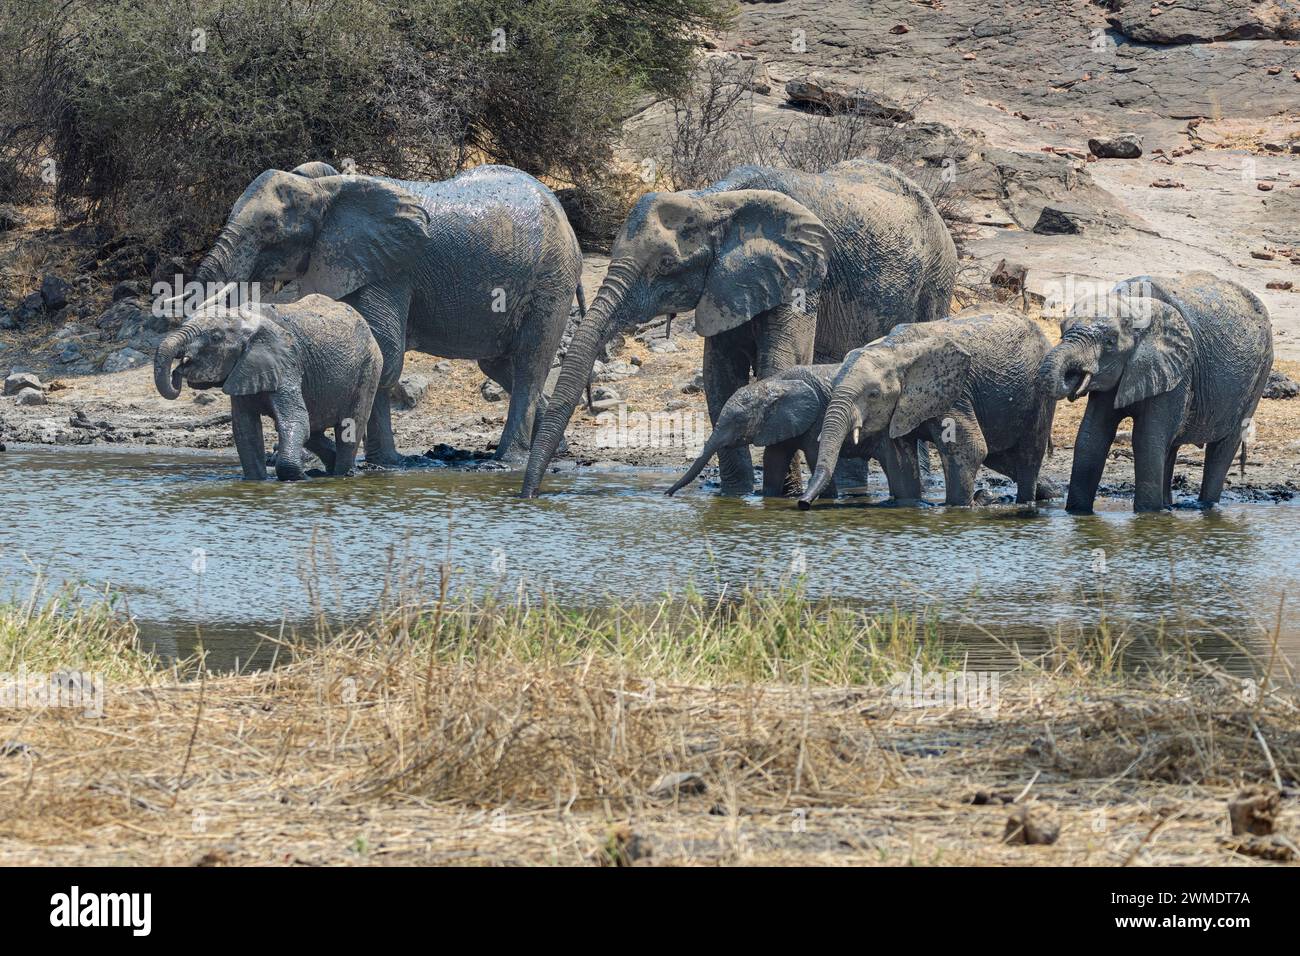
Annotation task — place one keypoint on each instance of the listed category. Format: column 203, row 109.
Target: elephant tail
column 1243, row 460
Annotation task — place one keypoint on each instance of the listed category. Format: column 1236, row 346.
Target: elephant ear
column 314, row 170
column 793, row 408
column 267, row 363
column 1162, row 358
column 370, row 230
column 933, row 373
column 770, row 246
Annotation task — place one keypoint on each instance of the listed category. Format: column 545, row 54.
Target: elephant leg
column 851, row 472
column 318, row 444
column 728, row 357
column 962, row 458
column 385, row 309
column 501, row 371
column 246, row 422
column 1218, row 462
column 1170, row 461
column 777, row 460
column 1152, row 443
column 902, row 466
column 1091, row 446
column 349, row 434
column 293, row 427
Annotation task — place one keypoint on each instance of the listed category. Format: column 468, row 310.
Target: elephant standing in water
column 482, row 266
column 309, row 365
column 1187, row 359
column 967, row 384
column 783, row 415
column 746, row 254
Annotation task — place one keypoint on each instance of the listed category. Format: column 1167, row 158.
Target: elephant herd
column 823, row 300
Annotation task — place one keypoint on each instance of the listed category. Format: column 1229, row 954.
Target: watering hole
column 200, row 555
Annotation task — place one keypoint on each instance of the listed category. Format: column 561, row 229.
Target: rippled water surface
column 144, row 521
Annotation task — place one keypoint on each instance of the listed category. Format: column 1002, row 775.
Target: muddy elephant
column 308, row 365
column 746, row 262
column 482, row 266
column 968, row 385
column 1187, row 359
column 783, row 416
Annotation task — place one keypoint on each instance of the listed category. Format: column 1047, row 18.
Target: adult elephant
column 1187, row 359
column 482, row 266
column 738, row 257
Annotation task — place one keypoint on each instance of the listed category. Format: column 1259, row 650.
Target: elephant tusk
column 857, row 433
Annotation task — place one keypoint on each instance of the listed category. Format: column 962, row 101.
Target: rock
column 1281, row 386
column 124, row 359
column 31, row 396
column 1281, row 285
column 204, row 398
column 411, row 389
column 1010, row 276
column 1254, row 811
column 31, row 307
column 612, row 371
column 694, row 386
column 17, row 381
column 1205, row 21
column 491, row 391
column 166, row 270
column 7, row 320
column 127, row 289
column 815, row 92
column 603, row 393
column 1032, row 824
column 134, row 325
column 1124, row 146
column 678, row 785
column 664, row 345
column 900, row 28
column 1064, row 220
column 54, row 292
column 621, row 847
column 11, row 218
column 443, row 367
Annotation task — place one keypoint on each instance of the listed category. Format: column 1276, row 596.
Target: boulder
column 410, row 390
column 127, row 289
column 123, row 359
column 31, row 396
column 816, row 93
column 1205, row 21
column 1124, row 146
column 491, row 391
column 740, row 69
column 1065, row 220
column 1281, row 386
column 31, row 307
column 17, row 381
column 54, row 292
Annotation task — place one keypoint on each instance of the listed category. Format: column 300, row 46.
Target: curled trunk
column 575, row 373
column 166, row 378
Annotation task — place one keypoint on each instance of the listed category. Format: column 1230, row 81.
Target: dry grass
column 460, row 735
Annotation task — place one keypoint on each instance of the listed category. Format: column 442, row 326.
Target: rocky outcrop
column 815, row 92
column 1205, row 21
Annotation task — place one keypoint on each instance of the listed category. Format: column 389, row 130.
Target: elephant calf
column 310, row 365
column 1187, row 359
column 783, row 415
column 966, row 384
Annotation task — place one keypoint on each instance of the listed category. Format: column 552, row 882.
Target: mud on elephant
column 1187, row 359
column 747, row 254
column 482, row 266
column 968, row 385
column 309, row 365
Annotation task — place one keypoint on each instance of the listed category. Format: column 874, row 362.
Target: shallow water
column 147, row 521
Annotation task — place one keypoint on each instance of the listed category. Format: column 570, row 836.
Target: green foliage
column 157, row 113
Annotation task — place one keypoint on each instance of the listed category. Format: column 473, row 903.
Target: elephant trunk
column 592, row 334
column 841, row 416
column 715, row 444
column 165, row 377
column 1067, row 370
